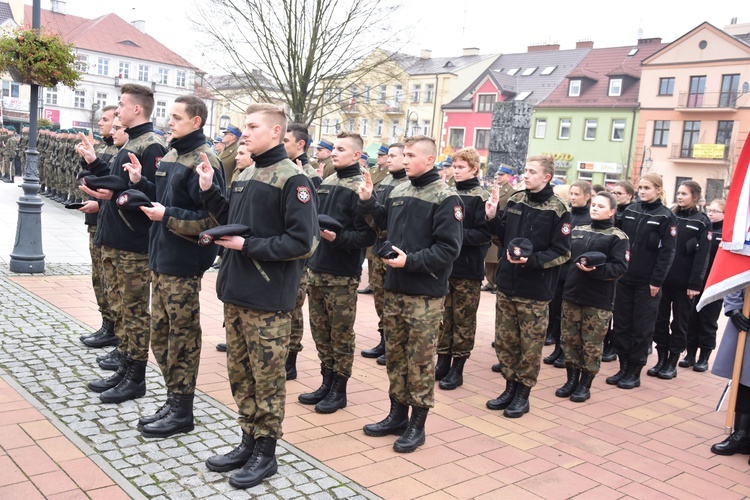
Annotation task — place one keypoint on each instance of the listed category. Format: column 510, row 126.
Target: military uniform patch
column 205, row 240
column 673, row 231
column 627, row 255
column 517, row 251
column 157, row 161
column 458, row 213
column 122, row 199
column 584, row 261
column 303, row 194
column 709, row 235
column 566, row 228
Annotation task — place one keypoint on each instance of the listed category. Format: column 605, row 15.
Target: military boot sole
column 729, row 452
column 234, row 465
column 629, row 385
column 381, row 360
column 700, row 367
column 329, row 409
column 394, row 431
column 167, row 432
column 399, row 448
column 667, row 375
column 101, row 387
column 139, row 393
column 239, row 483
column 517, row 413
column 375, row 352
column 104, row 341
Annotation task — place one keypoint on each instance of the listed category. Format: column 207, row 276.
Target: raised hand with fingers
column 85, row 148
column 133, row 168
column 365, row 189
column 205, row 172
column 490, row 207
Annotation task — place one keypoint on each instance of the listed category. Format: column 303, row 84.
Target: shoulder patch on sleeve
column 566, row 228
column 157, row 161
column 673, row 231
column 303, row 194
column 627, row 255
column 709, row 235
column 458, row 213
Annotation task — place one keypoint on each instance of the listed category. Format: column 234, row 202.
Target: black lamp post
column 27, row 256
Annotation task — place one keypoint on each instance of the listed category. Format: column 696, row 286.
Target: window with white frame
column 181, row 79
column 618, row 130
column 82, row 63
column 366, row 91
column 589, row 133
column 349, row 125
column 414, row 127
column 426, row 125
column 564, row 129
column 456, row 138
column 482, row 138
column 50, row 95
column 382, row 90
column 79, row 99
column 574, row 88
column 163, row 76
column 394, row 128
column 485, row 102
column 364, row 127
column 124, row 69
column 615, row 87
column 429, row 91
column 101, row 99
column 379, row 128
column 326, row 126
column 143, row 72
column 102, row 66
column 584, row 175
column 416, row 90
column 540, row 131
column 336, row 125
column 11, row 89
column 398, row 93
column 161, row 109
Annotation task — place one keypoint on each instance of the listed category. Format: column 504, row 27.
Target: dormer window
column 529, row 71
column 512, row 71
column 615, row 87
column 574, row 89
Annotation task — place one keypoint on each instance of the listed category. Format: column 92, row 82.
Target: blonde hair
column 273, row 113
column 414, row 139
column 546, row 161
column 658, row 183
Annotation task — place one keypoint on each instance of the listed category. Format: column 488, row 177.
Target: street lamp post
column 27, row 256
column 646, row 162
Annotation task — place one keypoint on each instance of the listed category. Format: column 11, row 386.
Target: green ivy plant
column 38, row 56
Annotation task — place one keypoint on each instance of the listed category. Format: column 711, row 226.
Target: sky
column 447, row 26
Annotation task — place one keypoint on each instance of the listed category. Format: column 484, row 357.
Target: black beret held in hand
column 111, row 182
column 74, row 206
column 520, row 247
column 592, row 259
column 329, row 223
column 207, row 237
column 387, row 251
column 132, row 199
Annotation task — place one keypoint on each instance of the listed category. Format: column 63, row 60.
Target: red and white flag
column 731, row 268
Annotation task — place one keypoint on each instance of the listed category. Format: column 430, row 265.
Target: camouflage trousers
column 412, row 325
column 377, row 280
column 257, row 345
column 582, row 339
column 97, row 276
column 127, row 278
column 298, row 321
column 520, row 327
column 333, row 308
column 459, row 318
column 176, row 329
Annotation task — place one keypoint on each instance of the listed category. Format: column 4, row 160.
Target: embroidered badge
column 303, row 194
column 627, row 255
column 566, row 228
column 709, row 236
column 206, row 240
column 458, row 213
column 157, row 162
column 517, row 251
column 123, row 199
column 673, row 231
column 584, row 261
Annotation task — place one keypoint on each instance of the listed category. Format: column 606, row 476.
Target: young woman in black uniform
column 684, row 281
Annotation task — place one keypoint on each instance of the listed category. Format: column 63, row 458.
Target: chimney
column 585, row 44
column 425, row 54
column 58, row 6
column 543, row 47
column 647, row 41
column 733, row 21
column 139, row 25
column 471, row 51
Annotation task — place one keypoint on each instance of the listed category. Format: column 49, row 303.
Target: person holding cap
column 230, row 138
column 600, row 256
column 323, row 156
column 526, row 284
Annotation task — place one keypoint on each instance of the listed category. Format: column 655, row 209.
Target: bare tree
column 303, row 48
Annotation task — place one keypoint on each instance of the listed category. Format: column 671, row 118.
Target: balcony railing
column 394, row 107
column 713, row 100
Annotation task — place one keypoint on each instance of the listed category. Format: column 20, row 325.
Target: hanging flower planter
column 38, row 57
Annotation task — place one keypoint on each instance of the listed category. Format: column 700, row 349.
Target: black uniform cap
column 132, row 199
column 329, row 223
column 520, row 247
column 111, row 182
column 207, row 237
column 592, row 259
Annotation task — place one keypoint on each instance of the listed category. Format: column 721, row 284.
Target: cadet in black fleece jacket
column 684, row 281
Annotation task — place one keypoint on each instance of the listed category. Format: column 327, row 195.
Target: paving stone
column 344, row 492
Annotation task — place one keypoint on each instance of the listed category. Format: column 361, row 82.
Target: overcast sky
column 446, row 26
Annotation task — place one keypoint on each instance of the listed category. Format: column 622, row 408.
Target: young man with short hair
column 335, row 271
column 526, row 285
column 258, row 282
column 423, row 219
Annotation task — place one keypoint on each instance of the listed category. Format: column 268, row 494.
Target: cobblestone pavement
column 39, row 349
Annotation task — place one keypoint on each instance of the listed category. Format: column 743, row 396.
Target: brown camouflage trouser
column 257, row 345
column 460, row 318
column 412, row 324
column 582, row 338
column 97, row 276
column 520, row 327
column 176, row 329
column 333, row 308
column 127, row 278
column 377, row 280
column 298, row 321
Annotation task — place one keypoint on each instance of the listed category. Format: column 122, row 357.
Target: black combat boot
column 111, row 360
column 520, row 403
column 413, row 436
column 221, row 347
column 570, row 385
column 503, row 400
column 178, row 420
column 262, row 464
column 549, row 339
column 442, row 366
column 632, row 378
column 381, row 360
column 106, row 384
column 291, row 365
column 160, row 413
column 560, row 361
column 106, row 326
column 669, row 370
column 689, row 359
column 624, row 364
column 235, row 458
column 662, row 355
column 702, row 364
column 497, row 368
column 556, row 353
column 315, row 397
column 133, row 386
column 583, row 390
column 739, row 440
column 395, row 423
column 455, row 376
column 376, row 351
column 336, row 397
column 106, row 338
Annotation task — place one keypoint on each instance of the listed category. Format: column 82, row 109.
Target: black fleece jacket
column 692, row 250
column 476, row 240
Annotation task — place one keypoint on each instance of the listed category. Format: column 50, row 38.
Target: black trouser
column 634, row 317
column 555, row 313
column 743, row 399
column 674, row 303
column 702, row 325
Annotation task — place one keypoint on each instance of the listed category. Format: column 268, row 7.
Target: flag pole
column 737, row 370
